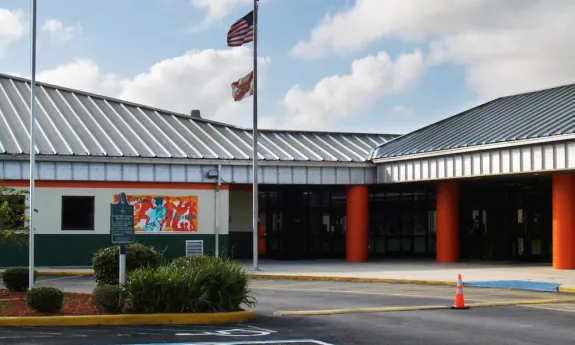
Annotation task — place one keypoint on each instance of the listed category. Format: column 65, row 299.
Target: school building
column 496, row 182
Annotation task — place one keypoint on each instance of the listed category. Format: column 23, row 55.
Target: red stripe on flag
column 243, row 87
column 240, row 33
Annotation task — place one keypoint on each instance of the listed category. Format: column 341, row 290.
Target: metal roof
column 539, row 114
column 75, row 123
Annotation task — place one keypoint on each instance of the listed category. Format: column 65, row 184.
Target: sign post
column 122, row 229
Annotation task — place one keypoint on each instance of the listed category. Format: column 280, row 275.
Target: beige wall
column 240, row 211
column 48, row 202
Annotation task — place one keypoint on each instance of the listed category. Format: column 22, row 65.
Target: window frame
column 92, row 219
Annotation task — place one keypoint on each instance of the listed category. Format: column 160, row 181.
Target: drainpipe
column 217, row 216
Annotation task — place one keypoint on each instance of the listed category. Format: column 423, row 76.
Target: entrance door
column 287, row 237
column 521, row 236
column 474, row 235
column 532, row 241
column 539, row 229
column 338, row 234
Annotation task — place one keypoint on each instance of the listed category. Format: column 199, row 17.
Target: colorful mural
column 159, row 213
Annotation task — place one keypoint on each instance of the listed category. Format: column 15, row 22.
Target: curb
column 351, row 279
column 419, row 308
column 357, row 310
column 66, row 273
column 129, row 320
column 565, row 289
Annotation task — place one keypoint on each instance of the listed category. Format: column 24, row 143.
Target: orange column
column 357, row 234
column 447, row 249
column 564, row 222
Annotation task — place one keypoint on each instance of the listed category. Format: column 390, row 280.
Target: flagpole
column 255, row 143
column 31, row 279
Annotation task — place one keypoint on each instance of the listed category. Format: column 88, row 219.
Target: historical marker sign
column 122, row 221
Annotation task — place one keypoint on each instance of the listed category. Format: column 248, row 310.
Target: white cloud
column 341, row 97
column 218, row 9
column 506, row 46
column 411, row 20
column 59, row 33
column 534, row 52
column 11, row 28
column 200, row 79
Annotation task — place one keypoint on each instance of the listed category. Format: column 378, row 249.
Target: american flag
column 242, row 31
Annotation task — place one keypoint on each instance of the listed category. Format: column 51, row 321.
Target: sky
column 374, row 66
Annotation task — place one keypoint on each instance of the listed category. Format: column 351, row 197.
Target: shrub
column 188, row 260
column 107, row 298
column 188, row 286
column 45, row 299
column 16, row 279
column 106, row 261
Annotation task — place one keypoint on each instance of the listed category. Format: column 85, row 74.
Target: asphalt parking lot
column 546, row 323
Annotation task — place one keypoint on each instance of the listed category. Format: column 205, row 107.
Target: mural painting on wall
column 160, row 213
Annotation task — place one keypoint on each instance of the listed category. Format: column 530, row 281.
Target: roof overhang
column 477, row 148
column 182, row 161
column 528, row 157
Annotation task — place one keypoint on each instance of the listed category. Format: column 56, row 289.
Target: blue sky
column 459, row 62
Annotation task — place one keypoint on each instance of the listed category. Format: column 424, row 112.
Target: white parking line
column 271, row 342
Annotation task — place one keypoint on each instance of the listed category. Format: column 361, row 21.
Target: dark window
column 77, row 213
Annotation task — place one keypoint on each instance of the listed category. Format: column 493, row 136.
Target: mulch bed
column 14, row 304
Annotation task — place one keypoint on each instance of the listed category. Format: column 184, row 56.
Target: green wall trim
column 77, row 250
column 241, row 245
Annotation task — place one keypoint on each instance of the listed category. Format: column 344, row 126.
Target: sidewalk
column 482, row 274
column 540, row 277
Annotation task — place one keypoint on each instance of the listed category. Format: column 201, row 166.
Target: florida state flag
column 243, row 87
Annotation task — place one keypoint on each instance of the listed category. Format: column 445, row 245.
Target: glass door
column 274, row 222
column 520, row 235
column 535, row 237
column 473, row 236
column 338, row 234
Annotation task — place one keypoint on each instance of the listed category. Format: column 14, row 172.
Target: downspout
column 217, row 213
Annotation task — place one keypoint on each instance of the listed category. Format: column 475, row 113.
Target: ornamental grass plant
column 188, row 285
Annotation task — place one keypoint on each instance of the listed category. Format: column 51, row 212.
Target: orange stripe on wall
column 106, row 184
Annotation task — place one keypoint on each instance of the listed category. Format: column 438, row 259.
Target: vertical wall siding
column 121, row 172
column 516, row 160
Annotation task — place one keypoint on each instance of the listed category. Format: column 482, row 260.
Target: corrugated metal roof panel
column 77, row 123
column 537, row 114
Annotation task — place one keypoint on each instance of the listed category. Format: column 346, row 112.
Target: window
column 77, row 213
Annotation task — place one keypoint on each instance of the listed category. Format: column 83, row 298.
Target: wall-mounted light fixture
column 212, row 173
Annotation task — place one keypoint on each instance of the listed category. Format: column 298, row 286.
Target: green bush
column 188, row 286
column 107, row 298
column 45, row 299
column 16, row 279
column 106, row 261
column 188, row 260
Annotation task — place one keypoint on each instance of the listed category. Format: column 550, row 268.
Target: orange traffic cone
column 459, row 299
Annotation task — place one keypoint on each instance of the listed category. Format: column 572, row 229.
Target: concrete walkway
column 503, row 274
column 499, row 274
